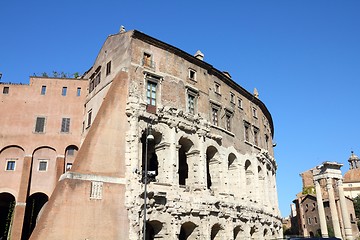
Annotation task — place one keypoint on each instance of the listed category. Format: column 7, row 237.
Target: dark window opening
column 6, row 90
column 78, row 91
column 183, row 167
column 65, row 125
column 64, row 91
column 40, row 124
column 43, row 90
column 108, row 68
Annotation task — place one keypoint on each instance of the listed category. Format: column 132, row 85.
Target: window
column 228, row 116
column 240, row 103
column 147, row 60
column 68, row 166
column 89, row 118
column 191, row 101
column 10, row 165
column 42, row 165
column 43, row 90
column 6, row 90
column 267, row 142
column 78, row 91
column 91, row 85
column 256, row 136
column 151, row 93
column 70, row 152
column 309, row 221
column 40, row 125
column 108, row 68
column 217, row 88
column 97, row 79
column 247, row 131
column 315, row 220
column 232, row 98
column 65, row 125
column 254, row 112
column 215, row 115
column 64, row 90
column 192, row 74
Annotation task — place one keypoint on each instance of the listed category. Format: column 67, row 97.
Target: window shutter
column 40, row 123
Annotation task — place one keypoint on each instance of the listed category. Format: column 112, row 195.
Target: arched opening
column 249, row 177
column 183, row 167
column 210, row 160
column 70, row 155
column 34, row 204
column 236, row 232
column 7, row 205
column 216, row 232
column 231, row 161
column 265, row 233
column 311, row 234
column 253, row 230
column 152, row 229
column 149, row 154
column 186, row 231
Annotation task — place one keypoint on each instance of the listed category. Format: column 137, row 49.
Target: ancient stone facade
column 159, row 118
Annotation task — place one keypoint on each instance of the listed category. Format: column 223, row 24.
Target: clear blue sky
column 303, row 57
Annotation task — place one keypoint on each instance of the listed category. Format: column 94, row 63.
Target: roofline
column 211, row 70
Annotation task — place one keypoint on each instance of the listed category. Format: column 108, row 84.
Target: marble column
column 344, row 211
column 333, row 209
column 322, row 218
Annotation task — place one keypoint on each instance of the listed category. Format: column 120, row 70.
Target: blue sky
column 302, row 56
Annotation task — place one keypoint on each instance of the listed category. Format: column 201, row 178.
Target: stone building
column 40, row 134
column 352, row 177
column 322, row 207
column 158, row 118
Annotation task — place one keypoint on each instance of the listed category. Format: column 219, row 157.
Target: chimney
column 122, row 29
column 199, row 55
column 227, row 74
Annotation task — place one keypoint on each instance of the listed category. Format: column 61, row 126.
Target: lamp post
column 149, row 137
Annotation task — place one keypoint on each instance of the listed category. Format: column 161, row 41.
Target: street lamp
column 149, row 137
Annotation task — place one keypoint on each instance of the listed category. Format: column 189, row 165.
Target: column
column 333, row 210
column 344, row 211
column 164, row 168
column 193, row 168
column 256, row 181
column 202, row 162
column 322, row 218
column 20, row 206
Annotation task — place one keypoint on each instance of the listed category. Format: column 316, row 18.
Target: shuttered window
column 40, row 124
column 65, row 125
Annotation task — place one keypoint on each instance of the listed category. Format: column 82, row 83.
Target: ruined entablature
column 264, row 157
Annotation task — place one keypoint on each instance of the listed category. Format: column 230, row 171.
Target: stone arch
column 7, row 206
column 238, row 233
column 183, row 159
column 12, row 153
column 232, row 161
column 217, row 232
column 249, row 178
column 34, row 204
column 70, row 155
column 187, row 231
column 153, row 228
column 212, row 168
column 149, row 153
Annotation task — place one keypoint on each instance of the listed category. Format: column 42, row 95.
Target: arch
column 237, row 233
column 183, row 167
column 70, row 155
column 211, row 168
column 152, row 229
column 14, row 154
column 34, row 204
column 7, row 206
column 43, row 147
column 187, row 231
column 11, row 146
column 149, row 155
column 266, row 232
column 231, row 161
column 216, row 232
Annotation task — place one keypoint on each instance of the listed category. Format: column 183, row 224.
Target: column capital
column 339, row 182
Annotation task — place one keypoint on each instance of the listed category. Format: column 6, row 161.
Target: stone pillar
column 344, row 212
column 202, row 162
column 60, row 166
column 256, row 182
column 162, row 153
column 193, row 168
column 322, row 218
column 20, row 206
column 333, row 210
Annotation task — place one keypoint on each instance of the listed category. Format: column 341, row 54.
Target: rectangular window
column 256, row 136
column 70, row 152
column 267, row 142
column 89, row 118
column 191, row 103
column 108, row 68
column 40, row 124
column 10, row 165
column 247, row 131
column 240, row 103
column 91, row 85
column 43, row 90
column 228, row 121
column 64, row 90
column 217, row 88
column 151, row 93
column 254, row 112
column 215, row 115
column 232, row 98
column 97, row 79
column 65, row 125
column 78, row 91
column 192, row 74
column 42, row 165
column 6, row 90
